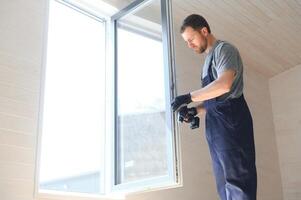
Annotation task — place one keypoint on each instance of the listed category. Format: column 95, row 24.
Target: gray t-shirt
column 225, row 56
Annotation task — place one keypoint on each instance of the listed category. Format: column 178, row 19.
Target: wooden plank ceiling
column 267, row 32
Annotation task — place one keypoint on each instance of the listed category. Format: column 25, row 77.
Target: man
column 229, row 126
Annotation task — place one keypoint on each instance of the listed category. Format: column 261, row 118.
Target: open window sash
column 130, row 172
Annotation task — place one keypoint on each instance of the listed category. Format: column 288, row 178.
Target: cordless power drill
column 188, row 115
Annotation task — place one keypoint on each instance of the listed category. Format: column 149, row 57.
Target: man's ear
column 204, row 31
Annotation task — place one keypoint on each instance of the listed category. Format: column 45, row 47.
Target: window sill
column 60, row 195
column 154, row 189
column 57, row 195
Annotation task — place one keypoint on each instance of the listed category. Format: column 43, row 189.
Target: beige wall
column 21, row 31
column 258, row 98
column 286, row 98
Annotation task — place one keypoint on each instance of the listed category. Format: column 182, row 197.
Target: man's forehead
column 189, row 30
column 188, row 33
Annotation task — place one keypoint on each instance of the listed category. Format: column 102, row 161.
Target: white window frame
column 167, row 41
column 113, row 191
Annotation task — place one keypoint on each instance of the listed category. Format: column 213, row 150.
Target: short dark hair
column 195, row 21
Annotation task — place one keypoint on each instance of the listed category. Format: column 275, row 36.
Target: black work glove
column 187, row 114
column 180, row 100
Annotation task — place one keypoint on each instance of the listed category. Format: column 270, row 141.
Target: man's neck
column 211, row 41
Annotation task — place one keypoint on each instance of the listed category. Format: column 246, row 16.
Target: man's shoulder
column 224, row 47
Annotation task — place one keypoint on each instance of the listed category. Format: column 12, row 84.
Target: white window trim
column 41, row 194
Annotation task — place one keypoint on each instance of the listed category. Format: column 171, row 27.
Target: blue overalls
column 229, row 133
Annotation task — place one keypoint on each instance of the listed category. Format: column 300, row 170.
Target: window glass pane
column 73, row 109
column 142, row 136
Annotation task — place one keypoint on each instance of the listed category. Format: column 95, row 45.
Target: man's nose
column 190, row 45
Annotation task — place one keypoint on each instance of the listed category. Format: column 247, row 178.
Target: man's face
column 196, row 39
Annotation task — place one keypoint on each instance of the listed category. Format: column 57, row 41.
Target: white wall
column 268, row 172
column 21, row 31
column 286, row 98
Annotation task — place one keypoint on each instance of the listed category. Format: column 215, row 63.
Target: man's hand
column 180, row 100
column 187, row 114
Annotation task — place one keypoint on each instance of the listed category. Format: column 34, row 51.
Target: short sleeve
column 227, row 57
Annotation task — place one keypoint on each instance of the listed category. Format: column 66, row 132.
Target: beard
column 204, row 46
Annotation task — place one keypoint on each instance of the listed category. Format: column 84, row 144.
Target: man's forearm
column 214, row 89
